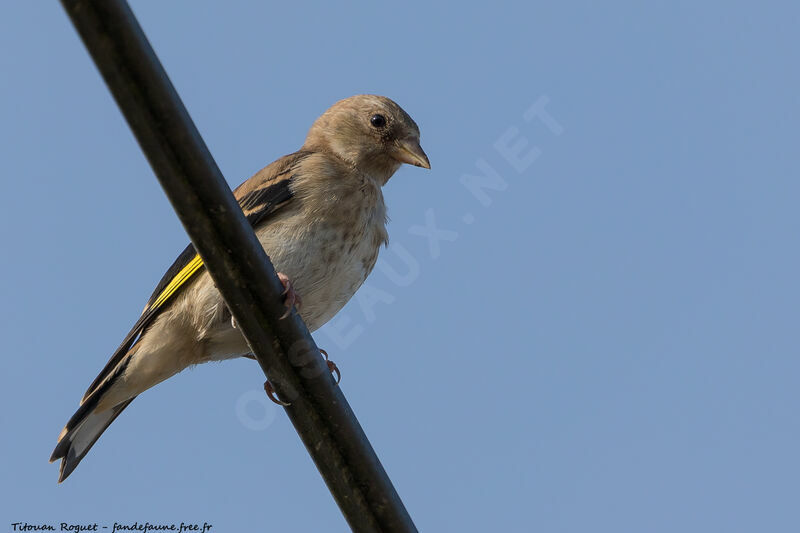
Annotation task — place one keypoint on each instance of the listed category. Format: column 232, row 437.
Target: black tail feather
column 79, row 438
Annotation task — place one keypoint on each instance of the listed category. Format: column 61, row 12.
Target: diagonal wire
column 246, row 278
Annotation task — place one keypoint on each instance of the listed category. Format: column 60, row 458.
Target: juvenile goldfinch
column 320, row 215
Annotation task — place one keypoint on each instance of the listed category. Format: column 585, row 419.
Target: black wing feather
column 261, row 203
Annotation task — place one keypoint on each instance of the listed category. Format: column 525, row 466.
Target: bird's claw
column 292, row 299
column 270, row 390
column 332, row 366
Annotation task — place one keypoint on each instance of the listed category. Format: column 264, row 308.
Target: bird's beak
column 409, row 151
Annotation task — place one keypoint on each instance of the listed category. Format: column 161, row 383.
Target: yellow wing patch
column 180, row 278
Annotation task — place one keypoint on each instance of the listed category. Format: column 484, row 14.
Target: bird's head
column 369, row 132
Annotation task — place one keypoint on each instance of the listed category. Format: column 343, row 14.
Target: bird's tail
column 81, row 432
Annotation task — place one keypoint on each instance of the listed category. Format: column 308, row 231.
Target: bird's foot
column 292, row 299
column 332, row 366
column 270, row 390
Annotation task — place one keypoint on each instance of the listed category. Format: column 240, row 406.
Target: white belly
column 326, row 266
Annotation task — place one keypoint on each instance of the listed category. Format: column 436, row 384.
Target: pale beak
column 409, row 151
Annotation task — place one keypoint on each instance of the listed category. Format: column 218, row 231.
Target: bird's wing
column 260, row 197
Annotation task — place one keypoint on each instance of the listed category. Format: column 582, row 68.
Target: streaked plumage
column 320, row 215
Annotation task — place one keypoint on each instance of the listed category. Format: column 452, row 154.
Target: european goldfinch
column 320, row 215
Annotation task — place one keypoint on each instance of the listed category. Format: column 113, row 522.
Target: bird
column 320, row 215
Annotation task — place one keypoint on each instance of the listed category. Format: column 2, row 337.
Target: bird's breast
column 327, row 256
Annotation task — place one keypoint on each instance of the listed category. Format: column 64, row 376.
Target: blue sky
column 605, row 339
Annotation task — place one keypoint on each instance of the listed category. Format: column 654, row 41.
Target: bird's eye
column 378, row 121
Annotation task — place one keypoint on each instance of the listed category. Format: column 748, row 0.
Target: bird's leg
column 270, row 390
column 334, row 369
column 292, row 298
column 332, row 366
